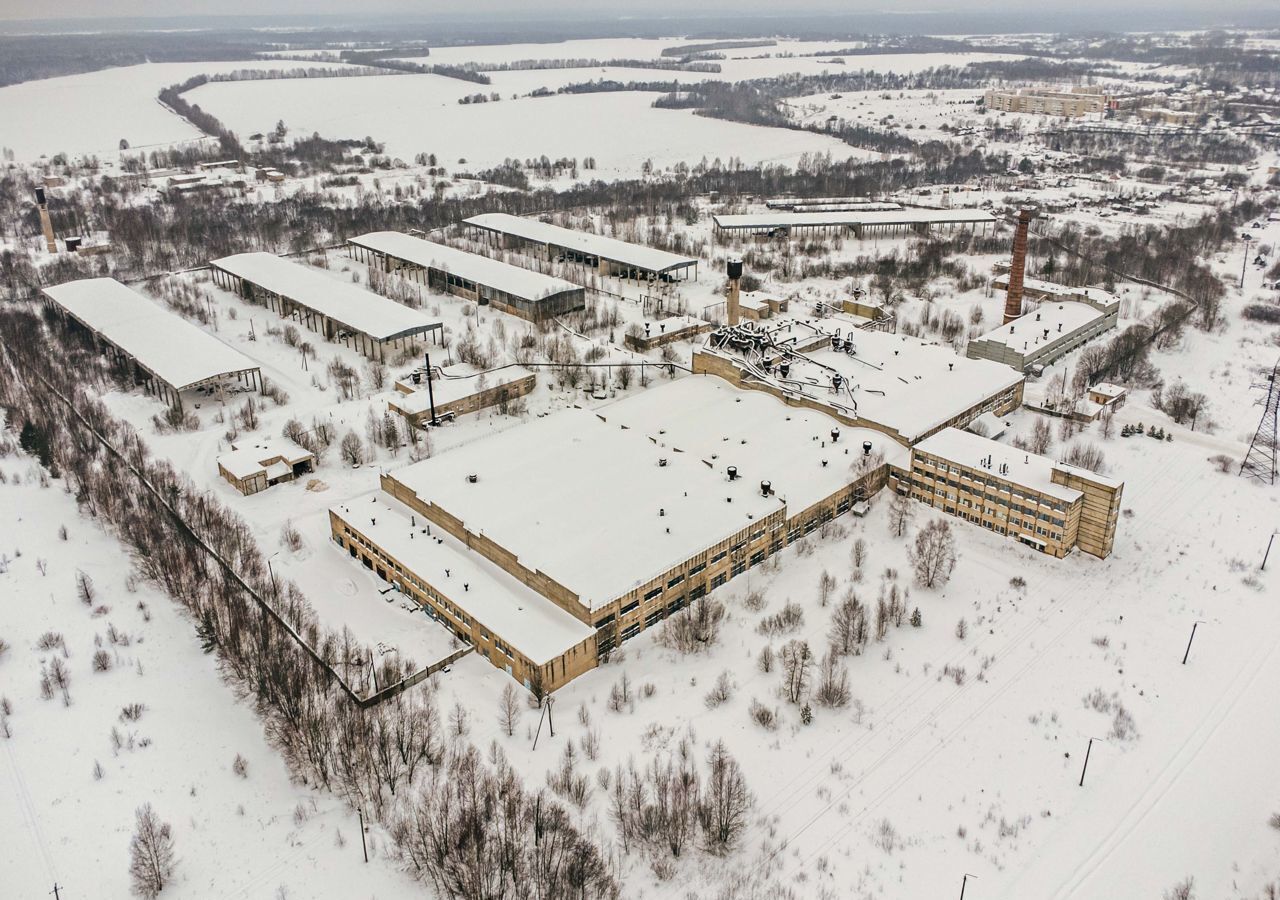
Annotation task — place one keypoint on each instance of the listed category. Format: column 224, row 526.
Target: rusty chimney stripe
column 1013, row 296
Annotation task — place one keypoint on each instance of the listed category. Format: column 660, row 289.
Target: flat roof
column 1027, row 470
column 355, row 307
column 848, row 202
column 449, row 389
column 176, row 351
column 895, row 380
column 649, row 259
column 907, row 216
column 530, row 622
column 1095, row 296
column 248, row 459
column 763, row 438
column 1049, row 322
column 587, row 502
column 513, row 280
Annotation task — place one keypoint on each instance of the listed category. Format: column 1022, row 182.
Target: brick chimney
column 734, row 271
column 1013, row 296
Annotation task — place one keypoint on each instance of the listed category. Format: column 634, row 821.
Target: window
column 719, row 556
column 717, row 581
column 698, row 568
column 674, row 581
column 650, row 595
column 632, row 605
column 605, row 621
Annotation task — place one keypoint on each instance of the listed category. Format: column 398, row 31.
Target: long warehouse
column 511, row 289
column 339, row 310
column 166, row 353
column 608, row 256
column 914, row 218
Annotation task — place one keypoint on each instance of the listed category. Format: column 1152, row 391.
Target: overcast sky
column 28, row 9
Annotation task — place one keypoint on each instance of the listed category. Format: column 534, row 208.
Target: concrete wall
column 471, row 403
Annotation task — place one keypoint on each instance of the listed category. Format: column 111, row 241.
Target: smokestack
column 734, row 271
column 1013, row 296
column 46, row 224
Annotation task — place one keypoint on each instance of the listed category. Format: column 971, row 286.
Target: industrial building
column 455, row 390
column 861, row 223
column 1079, row 101
column 1043, row 335
column 1032, row 499
column 1037, row 289
column 605, row 255
column 666, row 331
column 338, row 310
column 251, row 468
column 900, row 385
column 162, row 351
column 637, row 509
column 488, row 282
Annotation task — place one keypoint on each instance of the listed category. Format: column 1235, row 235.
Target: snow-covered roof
column 902, row 382
column 1044, row 325
column 176, row 351
column 448, row 390
column 530, row 622
column 1097, row 297
column 513, row 280
column 1107, row 389
column 763, row 438
column 909, row 216
column 249, row 459
column 587, row 502
column 649, row 259
column 356, row 308
column 1027, row 470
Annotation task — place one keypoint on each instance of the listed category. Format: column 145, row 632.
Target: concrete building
column 457, row 390
column 548, row 545
column 604, row 255
column 860, row 223
column 1079, row 101
column 666, row 331
column 339, row 310
column 488, row 282
column 1050, row 506
column 902, row 386
column 251, row 468
column 1042, row 335
column 162, row 351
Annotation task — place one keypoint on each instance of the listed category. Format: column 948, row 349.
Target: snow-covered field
column 419, row 114
column 91, row 113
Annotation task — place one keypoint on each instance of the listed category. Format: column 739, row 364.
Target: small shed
column 255, row 467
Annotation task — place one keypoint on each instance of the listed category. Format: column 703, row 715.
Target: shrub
column 763, row 716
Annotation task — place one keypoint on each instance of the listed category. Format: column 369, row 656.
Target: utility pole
column 1195, row 625
column 964, row 882
column 1244, row 263
column 56, row 888
column 1085, row 768
column 363, row 843
column 1268, row 553
column 431, row 394
column 275, row 588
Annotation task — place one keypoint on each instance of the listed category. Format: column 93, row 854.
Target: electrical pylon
column 1260, row 461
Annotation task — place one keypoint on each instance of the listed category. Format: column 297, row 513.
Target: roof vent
column 473, row 478
column 866, row 448
column 835, row 435
column 661, row 512
column 662, row 461
column 733, row 472
column 766, row 488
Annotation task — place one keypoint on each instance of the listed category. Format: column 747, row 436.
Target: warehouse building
column 338, row 310
column 606, row 256
column 638, row 509
column 255, row 467
column 1050, row 506
column 489, row 282
column 162, row 351
column 1042, row 335
column 861, row 223
column 456, row 390
column 1037, row 289
column 900, row 385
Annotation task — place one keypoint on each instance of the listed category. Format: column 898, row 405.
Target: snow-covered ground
column 415, row 114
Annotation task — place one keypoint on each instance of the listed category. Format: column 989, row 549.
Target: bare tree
column 509, row 709
column 933, row 555
column 796, row 662
column 351, row 449
column 151, row 857
column 1041, row 437
column 832, row 688
column 900, row 513
column 726, row 801
column 848, row 633
column 826, row 587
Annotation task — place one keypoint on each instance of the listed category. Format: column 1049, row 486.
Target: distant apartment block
column 1079, row 101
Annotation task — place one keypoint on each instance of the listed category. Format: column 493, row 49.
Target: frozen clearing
column 91, row 113
column 417, row 114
